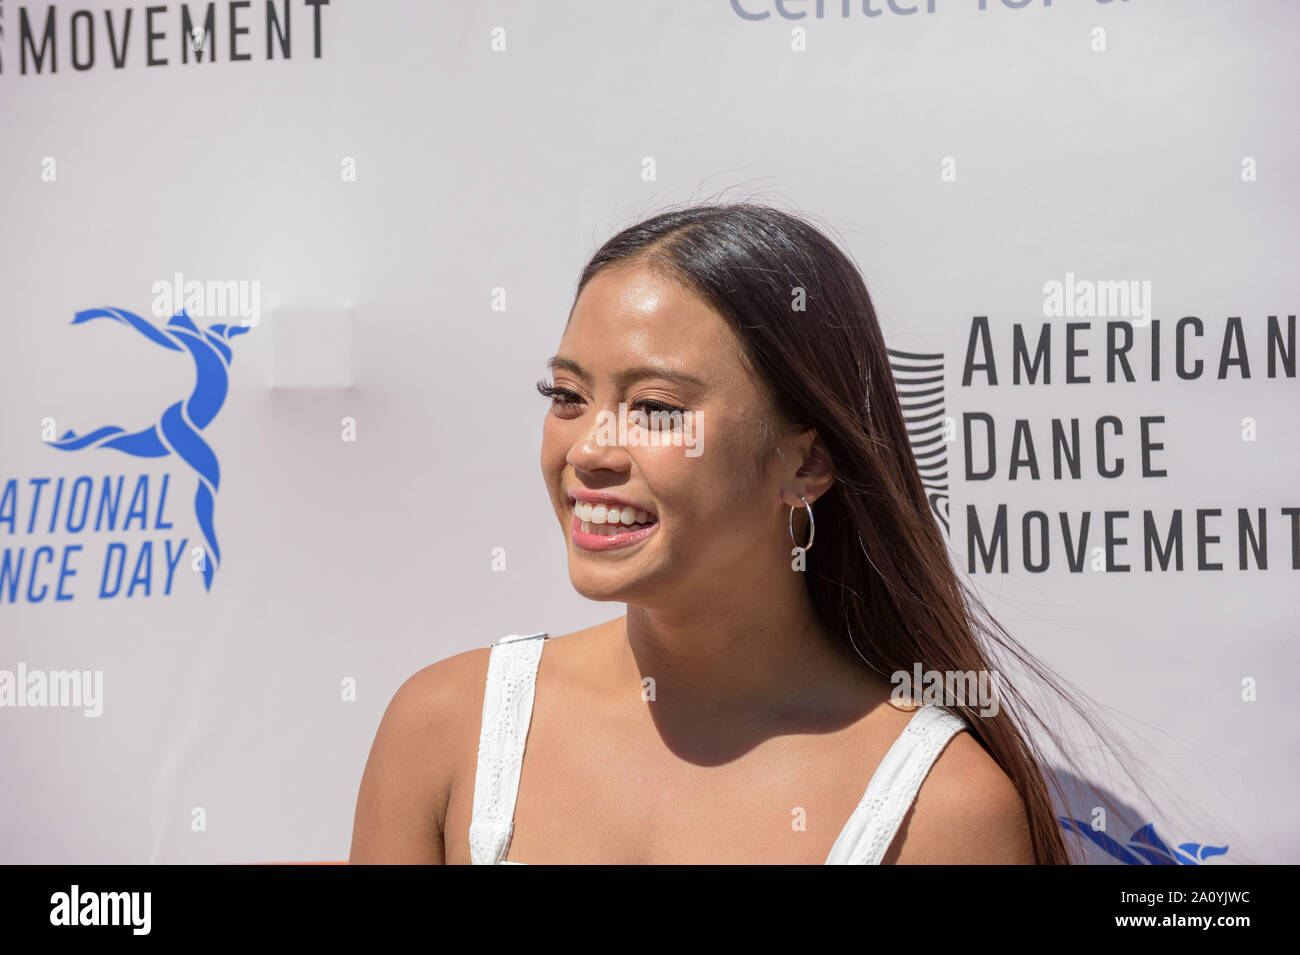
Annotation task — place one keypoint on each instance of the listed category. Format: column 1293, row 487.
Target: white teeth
column 596, row 517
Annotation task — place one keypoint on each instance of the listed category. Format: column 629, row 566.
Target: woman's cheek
column 554, row 447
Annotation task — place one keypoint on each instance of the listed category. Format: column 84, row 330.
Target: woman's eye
column 561, row 398
column 565, row 399
column 650, row 406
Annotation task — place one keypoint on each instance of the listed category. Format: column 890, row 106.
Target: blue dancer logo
column 178, row 430
column 1144, row 846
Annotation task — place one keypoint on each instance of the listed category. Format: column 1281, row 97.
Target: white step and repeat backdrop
column 375, row 213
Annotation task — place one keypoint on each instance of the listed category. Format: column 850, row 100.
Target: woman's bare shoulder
column 427, row 742
column 428, row 730
column 442, row 703
column 967, row 812
column 442, row 691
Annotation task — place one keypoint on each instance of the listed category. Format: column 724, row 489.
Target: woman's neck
column 724, row 662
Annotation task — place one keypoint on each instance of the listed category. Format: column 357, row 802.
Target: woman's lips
column 592, row 540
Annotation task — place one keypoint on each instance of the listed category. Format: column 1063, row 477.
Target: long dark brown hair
column 880, row 576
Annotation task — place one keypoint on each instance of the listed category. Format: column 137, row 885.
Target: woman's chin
column 600, row 586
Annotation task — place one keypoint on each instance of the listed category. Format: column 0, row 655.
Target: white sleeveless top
column 508, row 709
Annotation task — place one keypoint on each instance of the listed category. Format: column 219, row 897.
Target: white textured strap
column 507, row 711
column 870, row 830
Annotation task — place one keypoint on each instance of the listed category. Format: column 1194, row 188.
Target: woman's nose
column 597, row 447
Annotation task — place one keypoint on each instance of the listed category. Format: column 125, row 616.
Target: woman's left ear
column 817, row 473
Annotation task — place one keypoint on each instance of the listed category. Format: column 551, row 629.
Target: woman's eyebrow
column 627, row 376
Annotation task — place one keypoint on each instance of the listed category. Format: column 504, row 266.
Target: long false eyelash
column 650, row 406
column 548, row 390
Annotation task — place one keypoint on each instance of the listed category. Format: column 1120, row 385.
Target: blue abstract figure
column 1145, row 847
column 178, row 430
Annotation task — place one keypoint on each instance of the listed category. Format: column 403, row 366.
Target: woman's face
column 685, row 514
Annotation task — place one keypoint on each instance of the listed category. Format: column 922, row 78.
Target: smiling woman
column 742, row 710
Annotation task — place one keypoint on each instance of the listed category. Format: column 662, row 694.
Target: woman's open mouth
column 608, row 526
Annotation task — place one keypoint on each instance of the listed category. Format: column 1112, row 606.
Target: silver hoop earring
column 812, row 525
